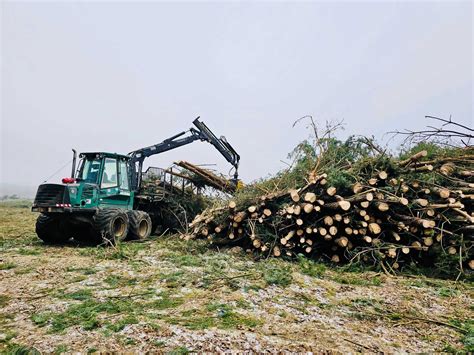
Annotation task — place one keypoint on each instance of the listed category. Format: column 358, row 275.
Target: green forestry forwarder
column 104, row 200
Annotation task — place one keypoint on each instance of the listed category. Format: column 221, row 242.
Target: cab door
column 114, row 189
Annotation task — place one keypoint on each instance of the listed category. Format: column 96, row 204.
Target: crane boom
column 201, row 132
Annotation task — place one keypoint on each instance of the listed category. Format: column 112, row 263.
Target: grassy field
column 168, row 295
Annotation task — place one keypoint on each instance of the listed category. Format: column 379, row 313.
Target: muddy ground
column 168, row 295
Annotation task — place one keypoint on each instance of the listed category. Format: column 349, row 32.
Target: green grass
column 276, row 272
column 166, row 301
column 467, row 338
column 176, row 279
column 357, row 279
column 61, row 348
column 121, row 251
column 179, row 259
column 84, row 314
column 122, row 323
column 4, row 299
column 16, row 349
column 7, row 265
column 447, row 292
column 311, row 268
column 80, row 295
column 29, row 251
column 214, row 315
column 115, row 281
column 24, row 270
column 83, row 270
column 182, row 350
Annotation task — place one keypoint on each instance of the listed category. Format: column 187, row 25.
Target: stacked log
column 208, row 178
column 416, row 214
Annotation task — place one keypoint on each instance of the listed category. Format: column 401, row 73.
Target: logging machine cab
column 102, row 179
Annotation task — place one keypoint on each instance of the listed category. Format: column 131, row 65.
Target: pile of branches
column 363, row 207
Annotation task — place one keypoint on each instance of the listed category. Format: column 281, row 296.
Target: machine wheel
column 111, row 225
column 52, row 230
column 140, row 225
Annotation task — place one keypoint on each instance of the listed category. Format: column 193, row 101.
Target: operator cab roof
column 106, row 154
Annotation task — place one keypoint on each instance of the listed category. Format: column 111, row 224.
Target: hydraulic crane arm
column 201, row 132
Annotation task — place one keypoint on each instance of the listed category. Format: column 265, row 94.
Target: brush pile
column 371, row 209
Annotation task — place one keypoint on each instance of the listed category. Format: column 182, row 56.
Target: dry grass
column 170, row 295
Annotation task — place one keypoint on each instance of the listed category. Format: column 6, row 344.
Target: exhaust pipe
column 73, row 171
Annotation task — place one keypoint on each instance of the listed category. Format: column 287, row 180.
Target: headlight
column 73, row 190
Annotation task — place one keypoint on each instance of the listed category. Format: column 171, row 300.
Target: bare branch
column 450, row 133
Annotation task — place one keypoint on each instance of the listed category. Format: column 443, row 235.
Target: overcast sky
column 116, row 76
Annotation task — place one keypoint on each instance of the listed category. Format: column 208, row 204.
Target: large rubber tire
column 52, row 230
column 140, row 225
column 110, row 225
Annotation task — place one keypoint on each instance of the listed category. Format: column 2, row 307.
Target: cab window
column 123, row 175
column 89, row 171
column 109, row 176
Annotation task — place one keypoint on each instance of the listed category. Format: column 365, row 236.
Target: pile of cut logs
column 395, row 219
column 207, row 177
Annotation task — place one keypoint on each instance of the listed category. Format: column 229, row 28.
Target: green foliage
column 182, row 350
column 84, row 314
column 218, row 315
column 7, row 265
column 468, row 337
column 447, row 292
column 311, row 268
column 15, row 349
column 183, row 260
column 80, row 295
column 166, row 301
column 119, row 280
column 175, row 279
column 61, row 348
column 122, row 323
column 84, row 270
column 29, row 251
column 4, row 299
column 337, row 156
column 434, row 150
column 274, row 274
column 357, row 279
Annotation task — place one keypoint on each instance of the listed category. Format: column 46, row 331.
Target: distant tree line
column 9, row 197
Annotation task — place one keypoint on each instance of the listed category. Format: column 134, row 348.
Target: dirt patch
column 167, row 294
